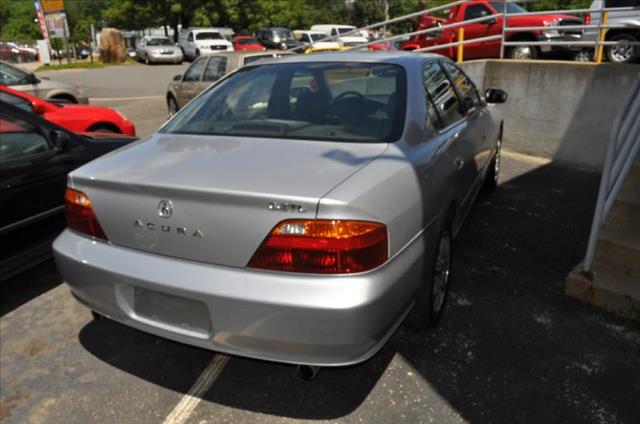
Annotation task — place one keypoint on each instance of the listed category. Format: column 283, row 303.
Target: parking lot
column 511, row 347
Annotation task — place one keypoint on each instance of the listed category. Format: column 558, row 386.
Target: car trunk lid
column 225, row 194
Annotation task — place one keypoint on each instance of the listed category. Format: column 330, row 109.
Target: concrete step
column 624, row 214
column 631, row 185
column 607, row 288
column 619, row 247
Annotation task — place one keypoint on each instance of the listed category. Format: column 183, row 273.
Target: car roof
column 396, row 57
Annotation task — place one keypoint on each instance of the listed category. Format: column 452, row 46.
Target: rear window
column 247, row 41
column 622, row 3
column 159, row 42
column 349, row 102
column 209, row 36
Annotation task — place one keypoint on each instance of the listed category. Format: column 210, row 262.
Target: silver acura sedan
column 297, row 211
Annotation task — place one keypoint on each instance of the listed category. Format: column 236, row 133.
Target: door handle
column 458, row 163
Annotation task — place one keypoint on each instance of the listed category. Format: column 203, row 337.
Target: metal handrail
column 598, row 43
column 621, row 151
column 426, row 31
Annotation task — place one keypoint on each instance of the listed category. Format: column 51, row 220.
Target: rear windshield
column 209, row 36
column 251, row 59
column 247, row 41
column 350, row 102
column 159, row 42
column 318, row 37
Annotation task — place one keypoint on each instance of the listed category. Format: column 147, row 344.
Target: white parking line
column 115, row 99
column 190, row 401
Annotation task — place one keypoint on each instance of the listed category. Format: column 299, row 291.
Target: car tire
column 584, row 56
column 430, row 300
column 197, row 54
column 523, row 52
column 491, row 180
column 172, row 106
column 623, row 54
column 96, row 316
column 146, row 60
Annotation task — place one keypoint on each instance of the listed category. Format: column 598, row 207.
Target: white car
column 196, row 42
column 350, row 40
column 311, row 39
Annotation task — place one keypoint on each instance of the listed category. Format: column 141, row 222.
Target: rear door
column 448, row 118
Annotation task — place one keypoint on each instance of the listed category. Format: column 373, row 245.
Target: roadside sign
column 56, row 23
column 52, row 6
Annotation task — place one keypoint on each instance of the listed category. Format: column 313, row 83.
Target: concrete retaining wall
column 558, row 110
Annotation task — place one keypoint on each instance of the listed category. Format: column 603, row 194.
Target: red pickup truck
column 488, row 49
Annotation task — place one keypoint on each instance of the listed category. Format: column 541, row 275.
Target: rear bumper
column 291, row 318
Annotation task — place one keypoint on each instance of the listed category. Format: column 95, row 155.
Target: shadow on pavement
column 511, row 347
column 19, row 290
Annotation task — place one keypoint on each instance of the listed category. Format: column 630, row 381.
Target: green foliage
column 17, row 21
column 17, row 17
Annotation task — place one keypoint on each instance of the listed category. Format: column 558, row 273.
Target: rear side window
column 464, row 85
column 443, row 97
column 195, row 70
column 216, row 68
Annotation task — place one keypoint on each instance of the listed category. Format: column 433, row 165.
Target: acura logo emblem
column 165, row 208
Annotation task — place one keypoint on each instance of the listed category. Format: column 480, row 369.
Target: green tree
column 18, row 21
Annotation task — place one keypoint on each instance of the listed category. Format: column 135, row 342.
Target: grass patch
column 80, row 65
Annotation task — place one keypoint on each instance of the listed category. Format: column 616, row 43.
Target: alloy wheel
column 622, row 53
column 522, row 52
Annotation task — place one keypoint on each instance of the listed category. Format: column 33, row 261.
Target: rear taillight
column 323, row 247
column 587, row 19
column 80, row 214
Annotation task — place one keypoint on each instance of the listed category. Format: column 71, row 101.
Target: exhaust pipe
column 307, row 372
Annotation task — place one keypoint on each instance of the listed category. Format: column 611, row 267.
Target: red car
column 246, row 42
column 74, row 117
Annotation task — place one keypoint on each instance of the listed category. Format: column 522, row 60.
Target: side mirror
column 33, row 78
column 495, row 95
column 60, row 140
column 178, row 77
column 491, row 21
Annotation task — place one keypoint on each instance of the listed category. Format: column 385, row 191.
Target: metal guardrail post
column 597, row 46
column 460, row 46
column 601, row 36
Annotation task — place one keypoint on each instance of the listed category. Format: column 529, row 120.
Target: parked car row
column 18, row 53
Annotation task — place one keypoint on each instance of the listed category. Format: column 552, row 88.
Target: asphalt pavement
column 510, row 348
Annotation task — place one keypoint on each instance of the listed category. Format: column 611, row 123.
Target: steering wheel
column 346, row 94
